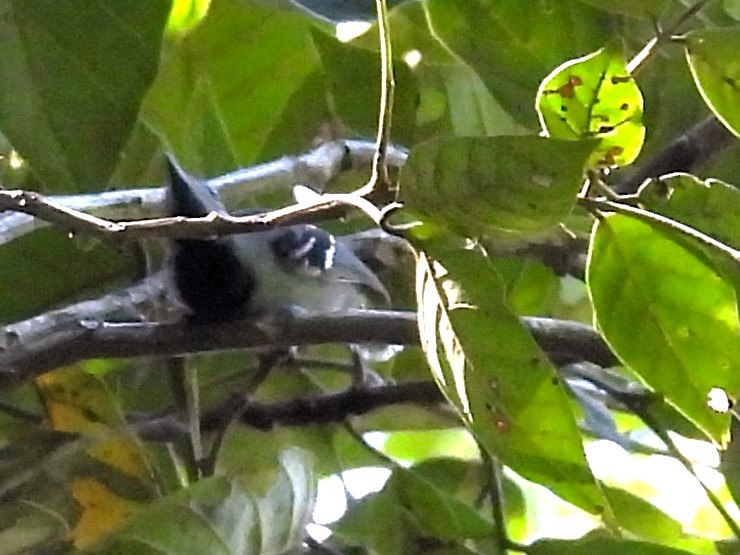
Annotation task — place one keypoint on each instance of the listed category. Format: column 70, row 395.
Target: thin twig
column 662, row 37
column 492, row 469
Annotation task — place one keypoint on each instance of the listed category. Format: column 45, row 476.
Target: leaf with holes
column 667, row 315
column 712, row 56
column 595, row 96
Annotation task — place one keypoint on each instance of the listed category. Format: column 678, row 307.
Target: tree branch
column 85, row 339
column 100, row 214
column 691, row 150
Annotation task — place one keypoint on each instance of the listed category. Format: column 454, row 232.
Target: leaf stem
column 662, row 222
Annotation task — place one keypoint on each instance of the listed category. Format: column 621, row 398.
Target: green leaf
column 667, row 315
column 494, row 374
column 378, row 522
column 218, row 515
column 595, row 96
column 646, row 521
column 464, row 480
column 710, row 206
column 511, row 45
column 47, row 267
column 438, row 514
column 508, row 186
column 649, row 9
column 74, row 74
column 712, row 56
column 600, row 546
column 224, row 88
column 353, row 75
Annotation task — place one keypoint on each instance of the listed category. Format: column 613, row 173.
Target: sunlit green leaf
column 667, row 314
column 595, row 96
column 712, row 55
column 491, row 370
column 710, row 206
column 648, row 522
column 186, row 14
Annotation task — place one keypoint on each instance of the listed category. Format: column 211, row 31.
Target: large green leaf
column 224, row 89
column 494, row 374
column 42, row 269
column 506, row 186
column 512, row 45
column 667, row 315
column 712, row 56
column 353, row 75
column 595, row 96
column 73, row 76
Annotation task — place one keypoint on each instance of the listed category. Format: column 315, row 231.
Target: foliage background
column 93, row 94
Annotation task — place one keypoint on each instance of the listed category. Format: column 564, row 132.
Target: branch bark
column 85, row 339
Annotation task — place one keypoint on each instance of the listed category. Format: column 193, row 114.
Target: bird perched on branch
column 234, row 276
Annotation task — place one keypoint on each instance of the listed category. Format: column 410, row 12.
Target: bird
column 249, row 274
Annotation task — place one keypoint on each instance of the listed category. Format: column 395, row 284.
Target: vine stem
column 379, row 177
column 661, row 37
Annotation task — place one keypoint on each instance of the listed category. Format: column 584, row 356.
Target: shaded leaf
column 77, row 402
column 595, row 96
column 74, row 74
column 223, row 89
column 439, row 515
column 666, row 314
column 41, row 269
column 712, row 56
column 378, row 522
column 218, row 515
column 494, row 374
column 512, row 48
column 353, row 75
column 508, row 186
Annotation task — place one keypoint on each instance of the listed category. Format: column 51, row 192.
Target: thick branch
column 327, row 407
column 691, row 150
column 83, row 340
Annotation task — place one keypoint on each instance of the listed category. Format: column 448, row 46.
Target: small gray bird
column 253, row 273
